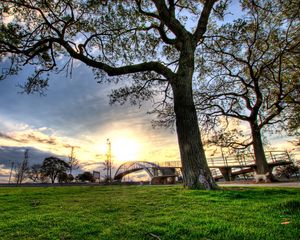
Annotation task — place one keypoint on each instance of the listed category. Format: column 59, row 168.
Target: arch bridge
column 156, row 173
column 223, row 167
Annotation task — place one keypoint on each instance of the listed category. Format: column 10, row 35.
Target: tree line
column 53, row 169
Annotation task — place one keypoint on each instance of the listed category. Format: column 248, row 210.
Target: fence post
column 288, row 156
column 272, row 157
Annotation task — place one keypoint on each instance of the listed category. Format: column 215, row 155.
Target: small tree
column 53, row 166
column 44, row 178
column 62, row 177
column 20, row 173
column 21, row 169
column 70, row 178
column 34, row 172
column 86, row 176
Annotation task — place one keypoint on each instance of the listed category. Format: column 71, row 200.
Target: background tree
column 62, row 177
column 86, row 176
column 70, row 178
column 21, row 169
column 294, row 100
column 250, row 71
column 53, row 166
column 294, row 121
column 152, row 42
column 34, row 172
column 44, row 178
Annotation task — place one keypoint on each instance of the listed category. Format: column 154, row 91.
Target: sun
column 125, row 149
column 126, row 145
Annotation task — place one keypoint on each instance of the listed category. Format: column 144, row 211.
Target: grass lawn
column 148, row 212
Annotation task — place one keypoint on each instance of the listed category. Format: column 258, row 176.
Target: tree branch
column 167, row 17
column 203, row 20
column 116, row 71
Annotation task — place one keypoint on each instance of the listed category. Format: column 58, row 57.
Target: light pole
column 108, row 159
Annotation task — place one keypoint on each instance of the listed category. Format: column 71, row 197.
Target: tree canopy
column 53, row 167
column 119, row 37
column 152, row 42
column 86, row 176
column 250, row 70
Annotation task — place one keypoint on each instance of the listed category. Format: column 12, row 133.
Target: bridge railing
column 176, row 164
column 238, row 160
column 278, row 156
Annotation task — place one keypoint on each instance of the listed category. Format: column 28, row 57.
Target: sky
column 75, row 112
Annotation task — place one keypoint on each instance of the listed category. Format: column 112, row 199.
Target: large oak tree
column 152, row 42
column 252, row 70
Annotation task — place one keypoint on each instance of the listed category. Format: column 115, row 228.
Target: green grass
column 148, row 212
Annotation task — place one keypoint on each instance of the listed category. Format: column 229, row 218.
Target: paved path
column 222, row 184
column 283, row 184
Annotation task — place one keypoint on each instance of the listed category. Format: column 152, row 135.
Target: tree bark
column 262, row 166
column 196, row 174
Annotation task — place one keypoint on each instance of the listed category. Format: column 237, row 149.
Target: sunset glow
column 125, row 149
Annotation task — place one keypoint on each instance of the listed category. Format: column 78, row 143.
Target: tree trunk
column 262, row 167
column 52, row 177
column 196, row 174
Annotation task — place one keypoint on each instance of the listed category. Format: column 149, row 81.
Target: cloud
column 7, row 137
column 4, row 172
column 9, row 154
column 36, row 136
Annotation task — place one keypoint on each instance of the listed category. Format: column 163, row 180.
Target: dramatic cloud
column 35, row 137
column 16, row 154
column 7, row 137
